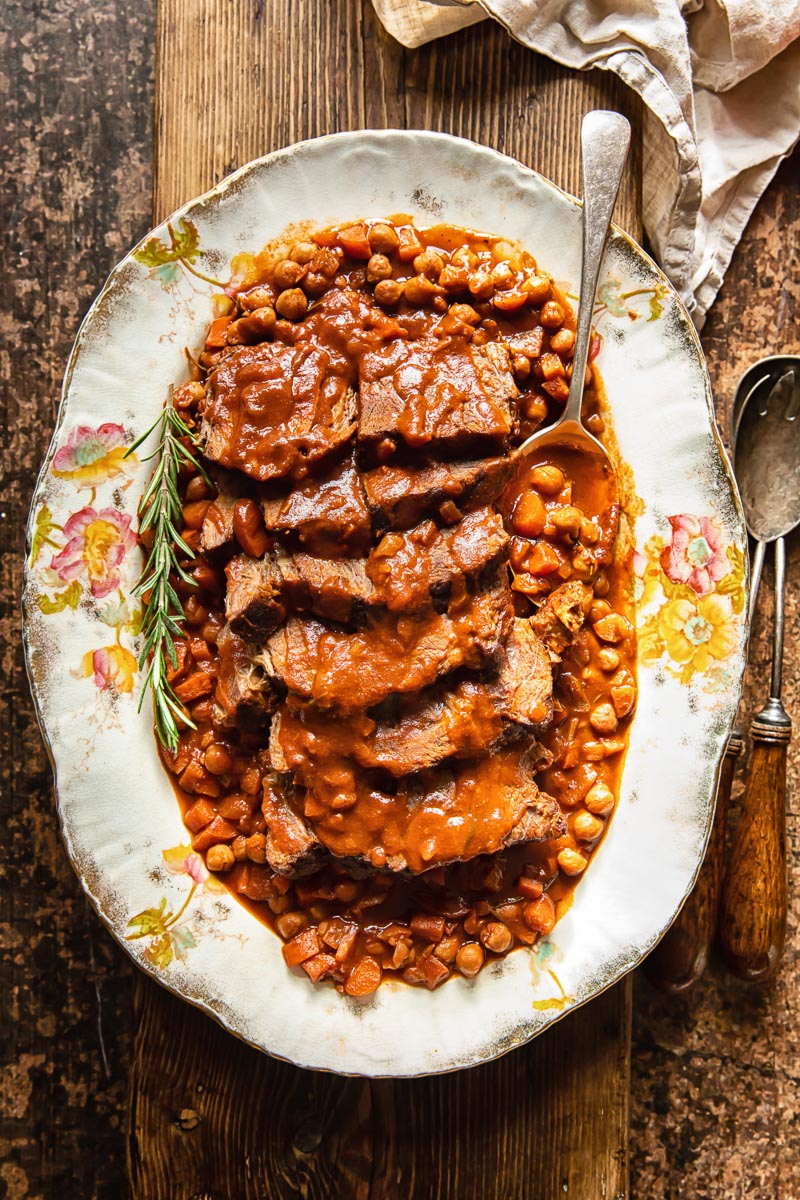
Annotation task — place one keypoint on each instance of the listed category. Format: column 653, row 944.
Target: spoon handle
column 605, row 137
column 753, row 911
column 680, row 958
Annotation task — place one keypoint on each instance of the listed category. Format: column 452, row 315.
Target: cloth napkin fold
column 720, row 80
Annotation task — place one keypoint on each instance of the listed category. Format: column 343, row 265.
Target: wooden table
column 205, row 1116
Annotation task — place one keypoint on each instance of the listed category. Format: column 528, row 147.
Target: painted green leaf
column 656, row 308
column 610, row 294
column 149, row 922
column 43, row 527
column 184, row 243
column 69, row 598
column 115, row 613
column 182, row 940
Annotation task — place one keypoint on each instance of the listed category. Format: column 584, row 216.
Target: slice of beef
column 561, row 614
column 437, row 817
column 244, row 696
column 462, row 719
column 405, row 572
column 399, row 497
column 393, row 653
column 292, row 848
column 445, row 394
column 328, row 515
column 273, row 410
column 217, row 528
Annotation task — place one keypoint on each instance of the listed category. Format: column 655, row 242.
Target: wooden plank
column 233, row 82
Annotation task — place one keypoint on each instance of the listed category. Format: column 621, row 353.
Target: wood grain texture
column 752, row 919
column 309, row 69
column 682, row 955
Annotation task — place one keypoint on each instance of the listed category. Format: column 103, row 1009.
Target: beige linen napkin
column 720, row 80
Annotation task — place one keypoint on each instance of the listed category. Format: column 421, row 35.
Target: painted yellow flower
column 699, row 632
column 97, row 543
column 113, row 667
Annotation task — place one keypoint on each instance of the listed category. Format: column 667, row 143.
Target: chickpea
column 496, row 937
column 419, row 290
column 608, row 658
column 480, row 285
column 217, row 759
column 601, row 585
column 599, row 609
column 567, row 520
column 529, row 516
column 521, row 366
column 279, row 904
column 346, row 890
column 469, row 959
column 388, row 292
column 464, row 256
column 465, row 313
column 623, row 694
column 292, row 304
column 603, row 719
column 586, row 827
column 378, row 268
column 257, row 297
column 571, row 862
column 315, row 284
column 220, row 858
column 287, row 273
column 547, row 479
column 429, row 263
column 552, row 315
column 239, row 848
column 562, row 341
column 454, row 279
column 255, row 327
column 599, row 799
column 538, row 288
column 509, row 301
column 595, row 424
column 540, row 915
column 611, row 628
column 447, row 948
column 290, row 924
column 503, row 276
column 303, row 252
column 382, row 239
column 257, row 848
column 534, row 408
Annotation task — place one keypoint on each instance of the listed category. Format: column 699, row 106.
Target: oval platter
column 120, row 820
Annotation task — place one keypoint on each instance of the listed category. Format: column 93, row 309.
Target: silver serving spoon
column 605, row 137
column 753, row 910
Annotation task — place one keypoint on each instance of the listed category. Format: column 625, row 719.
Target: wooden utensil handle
column 680, row 957
column 752, row 925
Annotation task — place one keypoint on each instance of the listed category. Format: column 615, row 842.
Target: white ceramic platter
column 120, row 819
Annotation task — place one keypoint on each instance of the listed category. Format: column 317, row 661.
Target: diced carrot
column 301, row 948
column 237, row 805
column 552, row 366
column 425, row 926
column 531, row 889
column 354, row 241
column 197, row 684
column 410, row 245
column 557, row 388
column 219, row 830
column 348, row 941
column 428, row 970
column 217, row 333
column 364, row 977
column 173, row 673
column 199, row 815
column 544, row 559
column 325, row 237
column 319, row 966
column 308, row 892
column 196, row 780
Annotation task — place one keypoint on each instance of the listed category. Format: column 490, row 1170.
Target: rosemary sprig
column 160, row 510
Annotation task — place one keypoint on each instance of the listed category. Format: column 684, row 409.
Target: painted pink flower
column 113, row 667
column 97, row 543
column 182, row 860
column 91, row 456
column 697, row 554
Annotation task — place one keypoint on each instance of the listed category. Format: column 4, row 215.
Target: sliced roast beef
column 217, row 528
column 406, row 571
column 436, row 817
column 328, row 515
column 244, row 696
column 445, row 394
column 292, row 849
column 399, row 497
column 394, row 653
column 273, row 410
column 464, row 718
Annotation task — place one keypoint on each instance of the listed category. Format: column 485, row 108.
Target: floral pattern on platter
column 690, row 599
column 90, row 553
column 172, row 934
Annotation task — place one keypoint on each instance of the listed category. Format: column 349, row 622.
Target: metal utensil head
column 766, row 455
